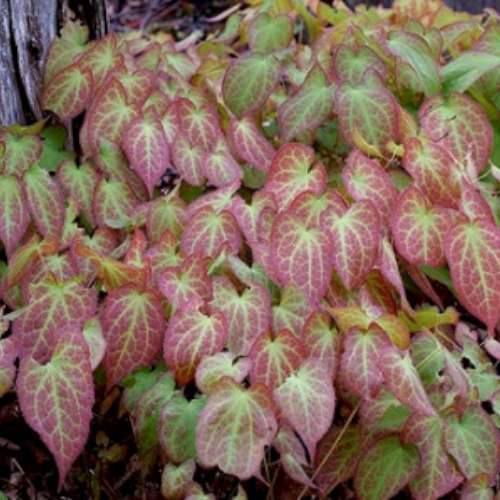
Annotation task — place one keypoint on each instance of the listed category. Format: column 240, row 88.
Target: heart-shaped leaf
column 274, row 358
column 307, row 400
column 133, row 324
column 245, row 420
column 473, row 254
column 56, row 397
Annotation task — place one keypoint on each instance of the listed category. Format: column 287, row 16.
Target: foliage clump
column 287, row 254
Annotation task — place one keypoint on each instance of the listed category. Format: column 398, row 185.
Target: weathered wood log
column 27, row 28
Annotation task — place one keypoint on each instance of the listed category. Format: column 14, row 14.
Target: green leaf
column 385, row 469
column 177, row 431
column 248, row 82
column 466, row 69
column 146, row 418
column 267, row 34
column 414, row 50
column 53, row 152
column 472, row 440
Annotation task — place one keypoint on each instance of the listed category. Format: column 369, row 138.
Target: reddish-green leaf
column 68, row 94
column 112, row 163
column 367, row 112
column 301, row 256
column 166, row 212
column 340, row 464
column 52, row 306
column 248, row 82
column 45, row 201
column 473, row 253
column 307, row 109
column 213, row 369
column 56, row 397
column 175, row 480
column 191, row 335
column 101, row 57
column 292, row 172
column 355, row 240
column 107, row 116
column 114, row 204
column 234, row 427
column 133, row 324
column 66, row 48
column 385, row 469
column 275, row 358
column 461, row 125
column 207, row 232
column 307, row 400
column 8, row 355
column 219, row 166
column 199, row 123
column 249, row 143
column 350, row 64
column 478, row 488
column 163, row 255
column 21, row 152
column 79, row 183
column 249, row 216
column 359, row 363
column 247, row 312
column 473, row 441
column 291, row 311
column 188, row 160
column 14, row 213
column 177, row 431
column 322, row 340
column 187, row 282
column 419, row 228
column 437, row 475
column 401, row 377
column 147, row 149
column 366, row 179
column 434, row 170
column 292, row 455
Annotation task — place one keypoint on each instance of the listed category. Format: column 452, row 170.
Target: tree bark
column 27, row 27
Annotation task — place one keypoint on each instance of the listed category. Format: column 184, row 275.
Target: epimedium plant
column 316, row 295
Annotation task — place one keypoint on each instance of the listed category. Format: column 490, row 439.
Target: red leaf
column 274, row 359
column 234, row 427
column 365, row 179
column 133, row 323
column 359, row 365
column 292, row 172
column 69, row 92
column 434, row 170
column 419, row 228
column 437, row 475
column 247, row 312
column 249, row 143
column 322, row 340
column 402, row 379
column 207, row 232
column 14, row 213
column 473, row 253
column 188, row 160
column 147, row 149
column 187, row 282
column 56, row 397
column 355, row 239
column 461, row 125
column 191, row 335
column 307, row 401
column 301, row 256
